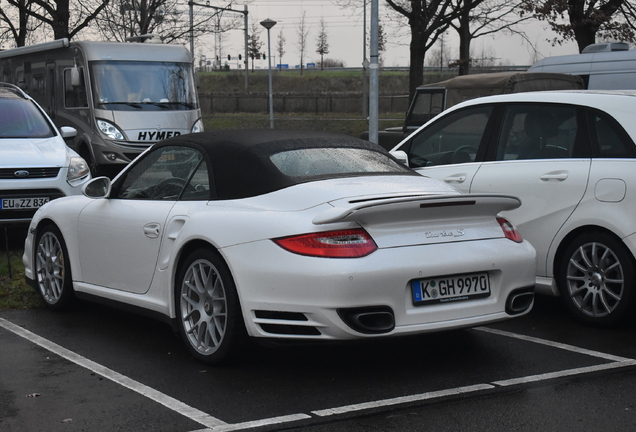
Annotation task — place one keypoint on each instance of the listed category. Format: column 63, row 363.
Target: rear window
column 333, row 161
column 20, row 118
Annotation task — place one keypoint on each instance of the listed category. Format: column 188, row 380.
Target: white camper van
column 121, row 97
column 606, row 66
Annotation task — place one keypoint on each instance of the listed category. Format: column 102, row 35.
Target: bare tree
column 427, row 20
column 381, row 43
column 586, row 19
column 125, row 18
column 486, row 18
column 254, row 43
column 22, row 17
column 439, row 55
column 16, row 23
column 322, row 46
column 57, row 15
column 302, row 31
column 280, row 48
column 167, row 18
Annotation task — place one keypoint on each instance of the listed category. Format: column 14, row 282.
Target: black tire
column 596, row 279
column 53, row 269
column 208, row 312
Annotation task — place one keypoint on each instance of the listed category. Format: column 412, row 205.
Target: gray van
column 606, row 66
column 120, row 97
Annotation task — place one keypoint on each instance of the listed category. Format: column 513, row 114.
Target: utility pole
column 365, row 63
column 191, row 4
column 268, row 24
column 374, row 78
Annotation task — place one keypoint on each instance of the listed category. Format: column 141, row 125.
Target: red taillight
column 509, row 230
column 353, row 243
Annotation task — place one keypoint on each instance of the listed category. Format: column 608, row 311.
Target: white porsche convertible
column 282, row 234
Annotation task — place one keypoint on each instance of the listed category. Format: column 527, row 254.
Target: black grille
column 25, row 215
column 10, row 173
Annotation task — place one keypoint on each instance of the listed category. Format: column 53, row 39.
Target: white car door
column 447, row 150
column 544, row 159
column 120, row 237
column 119, row 242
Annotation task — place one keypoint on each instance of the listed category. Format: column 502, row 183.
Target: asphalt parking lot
column 97, row 368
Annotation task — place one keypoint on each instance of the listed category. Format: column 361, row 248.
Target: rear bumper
column 306, row 301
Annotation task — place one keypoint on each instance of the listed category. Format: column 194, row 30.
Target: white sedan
column 570, row 157
column 281, row 234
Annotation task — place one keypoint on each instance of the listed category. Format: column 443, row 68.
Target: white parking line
column 554, row 344
column 165, row 400
column 213, row 424
column 257, row 423
column 402, row 400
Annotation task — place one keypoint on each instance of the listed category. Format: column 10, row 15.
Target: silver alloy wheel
column 595, row 279
column 203, row 307
column 50, row 267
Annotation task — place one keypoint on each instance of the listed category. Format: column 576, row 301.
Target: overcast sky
column 345, row 33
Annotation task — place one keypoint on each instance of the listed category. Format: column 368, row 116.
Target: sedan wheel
column 208, row 311
column 52, row 268
column 597, row 279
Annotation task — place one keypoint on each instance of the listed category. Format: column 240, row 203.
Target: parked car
column 282, row 234
column 431, row 99
column 36, row 165
column 570, row 156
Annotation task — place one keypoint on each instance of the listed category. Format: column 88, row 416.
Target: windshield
column 20, row 118
column 143, row 86
column 334, row 161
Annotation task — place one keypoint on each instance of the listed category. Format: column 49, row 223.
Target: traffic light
column 240, row 58
column 229, row 57
column 264, row 57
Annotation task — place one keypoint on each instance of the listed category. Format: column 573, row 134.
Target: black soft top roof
column 241, row 163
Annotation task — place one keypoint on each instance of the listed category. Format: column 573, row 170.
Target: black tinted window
column 453, row 139
column 540, row 131
column 610, row 140
column 20, row 118
column 328, row 161
column 161, row 174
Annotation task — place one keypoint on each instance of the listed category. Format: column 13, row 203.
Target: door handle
column 151, row 230
column 456, row 178
column 559, row 176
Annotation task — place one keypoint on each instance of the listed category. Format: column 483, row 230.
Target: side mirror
column 401, row 156
column 97, row 188
column 75, row 77
column 68, row 132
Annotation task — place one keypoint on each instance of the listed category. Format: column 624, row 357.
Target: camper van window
column 143, row 86
column 74, row 97
column 37, row 84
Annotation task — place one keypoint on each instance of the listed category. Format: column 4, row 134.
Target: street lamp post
column 268, row 24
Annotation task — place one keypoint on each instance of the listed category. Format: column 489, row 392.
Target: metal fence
column 297, row 103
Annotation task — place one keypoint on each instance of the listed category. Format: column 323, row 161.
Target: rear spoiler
column 416, row 207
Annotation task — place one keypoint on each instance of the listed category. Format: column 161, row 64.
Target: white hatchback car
column 36, row 165
column 570, row 156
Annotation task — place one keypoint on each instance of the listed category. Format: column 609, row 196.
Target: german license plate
column 22, row 203
column 449, row 289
